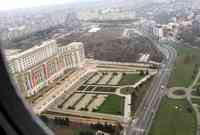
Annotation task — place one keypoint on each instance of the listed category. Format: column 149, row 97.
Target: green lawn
column 184, row 67
column 105, row 89
column 112, row 105
column 196, row 101
column 129, row 79
column 127, row 90
column 172, row 121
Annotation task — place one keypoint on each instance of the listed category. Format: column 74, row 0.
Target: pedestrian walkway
column 171, row 93
column 196, row 80
column 127, row 104
column 196, row 109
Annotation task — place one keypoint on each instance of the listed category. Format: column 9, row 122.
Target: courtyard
column 100, row 95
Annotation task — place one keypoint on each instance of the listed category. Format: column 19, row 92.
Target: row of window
column 71, row 60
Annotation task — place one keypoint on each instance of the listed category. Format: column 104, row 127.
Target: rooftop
column 20, row 53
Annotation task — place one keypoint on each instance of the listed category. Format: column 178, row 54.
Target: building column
column 33, row 79
column 45, row 70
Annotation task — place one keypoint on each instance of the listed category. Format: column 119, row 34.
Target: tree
column 142, row 73
column 86, row 133
column 44, row 118
column 67, row 121
column 189, row 109
column 115, row 73
column 147, row 72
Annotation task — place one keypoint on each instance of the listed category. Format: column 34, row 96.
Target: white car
column 162, row 86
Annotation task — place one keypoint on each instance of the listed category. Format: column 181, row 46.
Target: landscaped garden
column 138, row 95
column 129, row 79
column 127, row 90
column 112, row 105
column 105, row 89
column 179, row 92
column 81, row 88
column 90, row 88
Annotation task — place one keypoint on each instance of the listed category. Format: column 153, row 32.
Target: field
column 196, row 101
column 174, row 119
column 129, row 79
column 112, row 105
column 185, row 65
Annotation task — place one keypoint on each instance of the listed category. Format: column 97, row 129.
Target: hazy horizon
column 20, row 4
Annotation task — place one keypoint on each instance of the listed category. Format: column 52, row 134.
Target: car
column 162, row 86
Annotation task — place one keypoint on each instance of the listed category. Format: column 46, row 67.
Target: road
column 150, row 104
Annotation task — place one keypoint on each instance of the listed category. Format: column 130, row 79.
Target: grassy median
column 173, row 118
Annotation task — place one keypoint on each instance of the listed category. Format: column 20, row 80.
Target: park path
column 170, row 93
column 189, row 97
column 127, row 107
column 196, row 79
column 196, row 109
column 190, row 88
column 187, row 90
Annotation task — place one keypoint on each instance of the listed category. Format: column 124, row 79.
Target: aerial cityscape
column 97, row 67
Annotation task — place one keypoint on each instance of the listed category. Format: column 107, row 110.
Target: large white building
column 24, row 60
column 36, row 67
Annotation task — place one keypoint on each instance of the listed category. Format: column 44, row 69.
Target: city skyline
column 23, row 4
column 16, row 4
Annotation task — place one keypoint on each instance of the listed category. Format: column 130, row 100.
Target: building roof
column 36, row 47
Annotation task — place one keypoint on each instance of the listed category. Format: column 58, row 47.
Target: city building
column 107, row 14
column 35, row 68
column 182, row 4
column 147, row 27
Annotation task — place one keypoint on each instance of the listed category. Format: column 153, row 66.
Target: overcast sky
column 13, row 4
